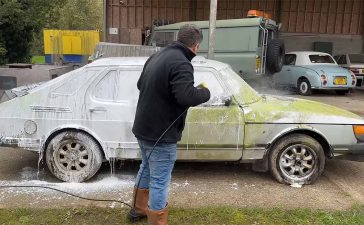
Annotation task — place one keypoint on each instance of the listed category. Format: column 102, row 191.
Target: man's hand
column 202, row 85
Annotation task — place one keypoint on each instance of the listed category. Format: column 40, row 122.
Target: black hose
column 65, row 192
column 155, row 144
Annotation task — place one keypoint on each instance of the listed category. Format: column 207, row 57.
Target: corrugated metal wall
column 131, row 17
column 323, row 16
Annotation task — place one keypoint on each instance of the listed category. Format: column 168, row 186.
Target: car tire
column 304, row 87
column 275, row 55
column 73, row 156
column 297, row 158
column 342, row 92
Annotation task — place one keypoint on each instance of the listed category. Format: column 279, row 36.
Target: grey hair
column 189, row 35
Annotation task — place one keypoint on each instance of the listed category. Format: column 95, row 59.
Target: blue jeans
column 157, row 171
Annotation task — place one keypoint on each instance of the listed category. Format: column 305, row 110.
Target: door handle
column 288, row 70
column 98, row 109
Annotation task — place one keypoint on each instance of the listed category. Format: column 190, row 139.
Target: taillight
column 359, row 132
column 324, row 79
column 258, row 64
column 353, row 78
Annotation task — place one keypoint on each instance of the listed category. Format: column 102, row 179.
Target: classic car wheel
column 304, row 87
column 73, row 156
column 297, row 158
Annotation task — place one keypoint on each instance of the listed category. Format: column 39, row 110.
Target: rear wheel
column 304, row 87
column 297, row 158
column 73, row 156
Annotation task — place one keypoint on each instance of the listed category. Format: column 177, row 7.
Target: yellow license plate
column 340, row 81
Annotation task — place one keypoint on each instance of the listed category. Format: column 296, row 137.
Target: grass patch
column 39, row 59
column 199, row 216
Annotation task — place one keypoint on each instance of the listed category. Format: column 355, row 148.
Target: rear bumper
column 333, row 88
column 353, row 152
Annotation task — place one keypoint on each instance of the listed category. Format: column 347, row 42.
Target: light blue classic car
column 314, row 70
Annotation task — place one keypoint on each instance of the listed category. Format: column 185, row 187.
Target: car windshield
column 356, row 58
column 242, row 92
column 321, row 59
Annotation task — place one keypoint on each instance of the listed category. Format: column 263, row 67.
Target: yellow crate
column 70, row 42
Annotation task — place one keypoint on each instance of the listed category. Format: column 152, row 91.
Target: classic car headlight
column 359, row 132
column 324, row 79
column 353, row 78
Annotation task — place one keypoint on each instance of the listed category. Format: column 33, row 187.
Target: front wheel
column 297, row 158
column 304, row 87
column 73, row 156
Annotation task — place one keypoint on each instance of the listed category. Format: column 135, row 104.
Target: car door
column 214, row 130
column 285, row 77
column 111, row 104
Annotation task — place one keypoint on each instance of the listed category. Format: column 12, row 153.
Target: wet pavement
column 193, row 184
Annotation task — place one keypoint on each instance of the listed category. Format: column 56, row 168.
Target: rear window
column 162, row 39
column 357, row 58
column 321, row 59
column 289, row 59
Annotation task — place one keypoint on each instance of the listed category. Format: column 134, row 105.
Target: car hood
column 328, row 69
column 278, row 109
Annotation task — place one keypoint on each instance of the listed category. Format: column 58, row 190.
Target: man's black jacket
column 166, row 90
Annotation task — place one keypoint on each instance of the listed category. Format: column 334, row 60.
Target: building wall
column 343, row 20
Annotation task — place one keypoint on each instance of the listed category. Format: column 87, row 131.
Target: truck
column 249, row 45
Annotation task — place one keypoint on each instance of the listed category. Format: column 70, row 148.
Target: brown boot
column 159, row 217
column 140, row 204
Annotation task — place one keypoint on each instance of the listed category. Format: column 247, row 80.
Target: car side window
column 218, row 94
column 118, row 86
column 290, row 59
column 75, row 81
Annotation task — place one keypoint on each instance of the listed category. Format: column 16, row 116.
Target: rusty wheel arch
column 318, row 137
column 55, row 133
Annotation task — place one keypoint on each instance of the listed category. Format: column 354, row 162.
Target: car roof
column 198, row 61
column 307, row 53
column 245, row 22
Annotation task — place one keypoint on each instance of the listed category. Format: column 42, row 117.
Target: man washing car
column 166, row 92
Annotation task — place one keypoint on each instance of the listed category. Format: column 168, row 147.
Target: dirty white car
column 84, row 117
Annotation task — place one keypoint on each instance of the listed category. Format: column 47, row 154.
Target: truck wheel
column 304, row 87
column 275, row 55
column 73, row 156
column 297, row 158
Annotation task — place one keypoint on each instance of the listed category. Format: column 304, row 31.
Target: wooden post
column 212, row 28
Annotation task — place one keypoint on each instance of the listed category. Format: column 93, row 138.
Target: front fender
column 305, row 129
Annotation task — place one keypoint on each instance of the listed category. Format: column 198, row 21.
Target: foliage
column 22, row 22
column 81, row 15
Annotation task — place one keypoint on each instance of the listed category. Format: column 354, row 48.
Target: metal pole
column 212, row 28
column 104, row 32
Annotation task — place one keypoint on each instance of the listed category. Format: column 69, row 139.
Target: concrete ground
column 193, row 184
